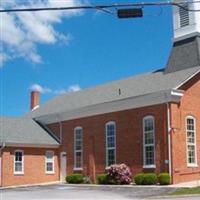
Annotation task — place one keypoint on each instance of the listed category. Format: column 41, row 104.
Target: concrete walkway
column 187, row 184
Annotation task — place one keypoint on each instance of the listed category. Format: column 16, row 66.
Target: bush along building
column 150, row 122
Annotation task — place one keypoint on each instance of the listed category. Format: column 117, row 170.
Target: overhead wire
column 105, row 8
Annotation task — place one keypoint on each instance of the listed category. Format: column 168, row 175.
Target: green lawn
column 185, row 191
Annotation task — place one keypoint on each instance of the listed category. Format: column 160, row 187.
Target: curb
column 94, row 186
column 118, row 186
column 32, row 185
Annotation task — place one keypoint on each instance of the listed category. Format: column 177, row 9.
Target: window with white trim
column 184, row 15
column 19, row 162
column 191, row 140
column 149, row 141
column 49, row 162
column 78, row 148
column 110, row 143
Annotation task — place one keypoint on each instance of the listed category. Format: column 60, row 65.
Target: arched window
column 110, row 143
column 191, row 141
column 149, row 142
column 78, row 148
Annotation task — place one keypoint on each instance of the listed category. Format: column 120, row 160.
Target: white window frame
column 195, row 144
column 47, row 161
column 110, row 148
column 76, row 151
column 19, row 172
column 145, row 145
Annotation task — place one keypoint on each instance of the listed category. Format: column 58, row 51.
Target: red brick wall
column 34, row 167
column 129, row 138
column 189, row 105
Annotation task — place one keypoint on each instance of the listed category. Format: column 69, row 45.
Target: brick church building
column 151, row 122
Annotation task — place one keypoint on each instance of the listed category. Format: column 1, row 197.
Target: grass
column 186, row 191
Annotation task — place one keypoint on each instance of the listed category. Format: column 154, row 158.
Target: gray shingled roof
column 184, row 54
column 24, row 131
column 130, row 87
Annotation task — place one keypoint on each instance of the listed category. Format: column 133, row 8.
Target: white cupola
column 186, row 23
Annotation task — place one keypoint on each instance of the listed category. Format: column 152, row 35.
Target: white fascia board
column 114, row 106
column 182, row 36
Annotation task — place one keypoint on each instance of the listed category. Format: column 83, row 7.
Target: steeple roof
column 184, row 54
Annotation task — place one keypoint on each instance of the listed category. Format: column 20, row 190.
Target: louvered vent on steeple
column 184, row 16
column 186, row 47
column 186, row 22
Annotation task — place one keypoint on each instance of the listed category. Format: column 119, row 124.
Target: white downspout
column 169, row 139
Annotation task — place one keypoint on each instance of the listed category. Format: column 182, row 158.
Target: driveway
column 62, row 191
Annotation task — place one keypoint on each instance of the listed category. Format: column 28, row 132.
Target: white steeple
column 186, row 23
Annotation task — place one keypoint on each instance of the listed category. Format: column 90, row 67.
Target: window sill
column 50, row 173
column 192, row 165
column 149, row 166
column 78, row 169
column 18, row 173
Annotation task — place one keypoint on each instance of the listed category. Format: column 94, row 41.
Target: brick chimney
column 35, row 98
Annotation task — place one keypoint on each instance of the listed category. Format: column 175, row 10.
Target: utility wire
column 105, row 7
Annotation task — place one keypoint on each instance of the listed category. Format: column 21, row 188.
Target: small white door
column 63, row 164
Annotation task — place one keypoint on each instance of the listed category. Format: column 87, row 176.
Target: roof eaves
column 149, row 99
column 16, row 144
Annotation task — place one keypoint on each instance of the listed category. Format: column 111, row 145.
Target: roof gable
column 24, row 131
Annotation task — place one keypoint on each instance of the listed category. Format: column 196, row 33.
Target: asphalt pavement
column 69, row 192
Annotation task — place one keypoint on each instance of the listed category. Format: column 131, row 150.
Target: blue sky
column 86, row 49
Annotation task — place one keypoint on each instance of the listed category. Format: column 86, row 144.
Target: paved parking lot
column 62, row 191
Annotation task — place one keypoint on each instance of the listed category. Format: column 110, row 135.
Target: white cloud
column 74, row 88
column 39, row 88
column 21, row 32
column 3, row 59
column 45, row 90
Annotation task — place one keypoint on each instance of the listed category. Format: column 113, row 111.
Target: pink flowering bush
column 119, row 174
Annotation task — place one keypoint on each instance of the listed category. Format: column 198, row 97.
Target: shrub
column 102, row 179
column 75, row 178
column 164, row 178
column 150, row 179
column 119, row 174
column 139, row 179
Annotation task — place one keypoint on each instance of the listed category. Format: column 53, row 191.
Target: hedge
column 139, row 178
column 145, row 179
column 102, row 179
column 150, row 179
column 75, row 178
column 164, row 178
